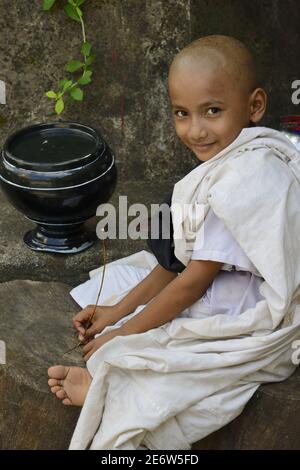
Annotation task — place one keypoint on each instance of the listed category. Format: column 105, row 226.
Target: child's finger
column 89, row 353
column 87, row 347
column 78, row 326
column 93, row 330
column 77, row 323
column 87, row 356
column 83, row 315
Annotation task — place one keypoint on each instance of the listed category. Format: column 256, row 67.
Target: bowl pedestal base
column 65, row 239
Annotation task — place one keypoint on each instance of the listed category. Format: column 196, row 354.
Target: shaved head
column 220, row 54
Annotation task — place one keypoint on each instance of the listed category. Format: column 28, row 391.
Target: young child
column 217, row 101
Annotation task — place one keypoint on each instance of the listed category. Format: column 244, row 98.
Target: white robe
column 236, row 286
column 173, row 385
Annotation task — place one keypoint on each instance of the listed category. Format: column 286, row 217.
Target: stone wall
column 135, row 41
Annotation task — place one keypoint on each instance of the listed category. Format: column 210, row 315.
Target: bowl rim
column 100, row 146
column 31, row 188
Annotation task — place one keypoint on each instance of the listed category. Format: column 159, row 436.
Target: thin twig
column 95, row 306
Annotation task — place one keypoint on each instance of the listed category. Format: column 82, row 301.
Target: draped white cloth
column 173, row 385
column 236, row 287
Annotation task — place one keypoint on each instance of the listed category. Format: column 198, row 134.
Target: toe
column 58, row 372
column 61, row 394
column 67, row 401
column 53, row 382
column 55, row 389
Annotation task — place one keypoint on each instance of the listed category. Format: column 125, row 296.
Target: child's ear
column 258, row 105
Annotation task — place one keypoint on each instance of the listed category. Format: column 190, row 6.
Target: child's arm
column 179, row 294
column 148, row 288
column 141, row 294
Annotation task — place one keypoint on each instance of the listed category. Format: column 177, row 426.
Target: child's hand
column 96, row 343
column 104, row 316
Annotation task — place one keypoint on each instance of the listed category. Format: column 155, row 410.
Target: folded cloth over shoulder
column 173, row 385
column 253, row 186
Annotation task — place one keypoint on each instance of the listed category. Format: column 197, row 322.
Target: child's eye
column 213, row 111
column 179, row 113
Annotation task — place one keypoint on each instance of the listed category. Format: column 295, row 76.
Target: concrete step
column 269, row 421
column 36, row 328
column 17, row 261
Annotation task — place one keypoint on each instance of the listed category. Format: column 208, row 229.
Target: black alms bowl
column 57, row 174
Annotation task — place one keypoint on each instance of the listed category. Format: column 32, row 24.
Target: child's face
column 209, row 109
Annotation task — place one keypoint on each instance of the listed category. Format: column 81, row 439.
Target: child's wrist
column 123, row 330
column 120, row 311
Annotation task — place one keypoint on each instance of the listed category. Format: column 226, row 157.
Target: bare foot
column 70, row 384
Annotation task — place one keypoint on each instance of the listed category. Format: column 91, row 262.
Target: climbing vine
column 80, row 71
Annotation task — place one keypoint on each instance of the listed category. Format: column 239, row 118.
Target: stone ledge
column 19, row 262
column 269, row 421
column 36, row 327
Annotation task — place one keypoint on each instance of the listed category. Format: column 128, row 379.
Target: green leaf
column 71, row 12
column 86, row 48
column 90, row 59
column 79, row 2
column 62, row 82
column 67, row 85
column 76, row 93
column 59, row 107
column 51, row 94
column 47, row 4
column 74, row 65
column 86, row 78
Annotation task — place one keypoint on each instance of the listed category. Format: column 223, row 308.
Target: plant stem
column 84, row 40
column 83, row 30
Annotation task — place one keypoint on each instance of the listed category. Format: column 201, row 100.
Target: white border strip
column 2, row 352
column 2, row 92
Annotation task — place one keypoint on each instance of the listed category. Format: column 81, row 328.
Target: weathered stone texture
column 36, row 327
column 269, row 421
column 134, row 41
column 17, row 261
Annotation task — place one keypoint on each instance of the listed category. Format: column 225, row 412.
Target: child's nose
column 197, row 130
